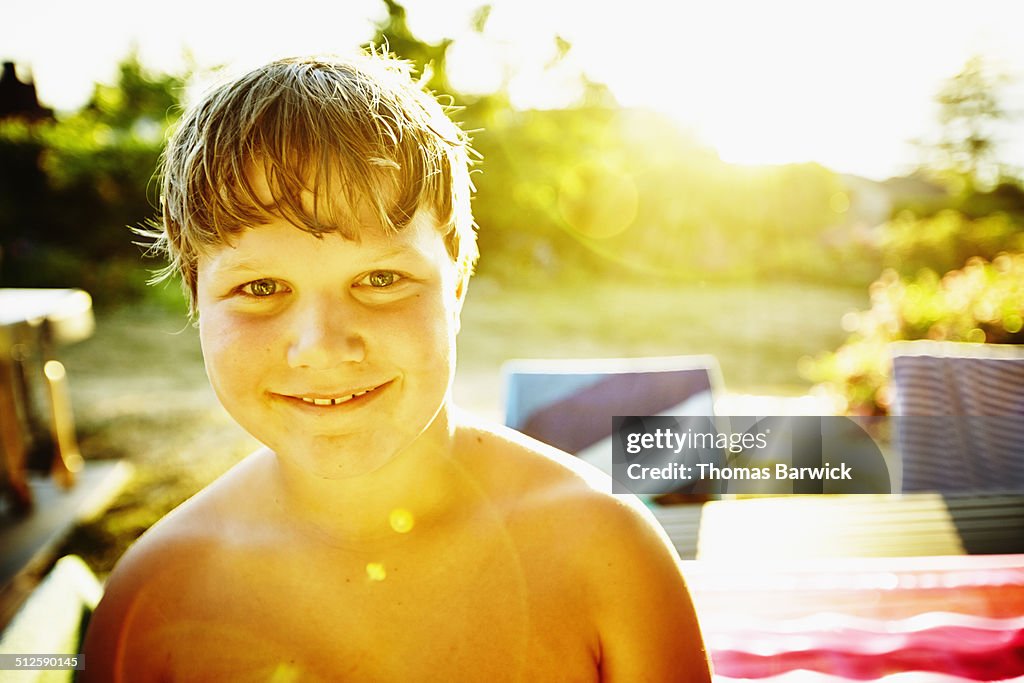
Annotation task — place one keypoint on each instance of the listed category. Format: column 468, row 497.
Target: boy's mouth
column 322, row 400
column 332, row 401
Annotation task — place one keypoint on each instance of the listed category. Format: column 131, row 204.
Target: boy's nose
column 324, row 336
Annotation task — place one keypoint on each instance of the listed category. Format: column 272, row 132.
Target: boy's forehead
column 336, row 214
column 278, row 238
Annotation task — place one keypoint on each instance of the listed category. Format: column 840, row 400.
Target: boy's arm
column 120, row 645
column 647, row 624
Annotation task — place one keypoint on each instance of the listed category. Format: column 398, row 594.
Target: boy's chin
column 349, row 456
column 334, row 458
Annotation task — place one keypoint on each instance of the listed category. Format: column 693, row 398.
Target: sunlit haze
column 847, row 84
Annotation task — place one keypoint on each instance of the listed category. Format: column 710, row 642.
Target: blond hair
column 313, row 126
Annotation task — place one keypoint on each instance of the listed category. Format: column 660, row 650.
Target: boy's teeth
column 332, row 401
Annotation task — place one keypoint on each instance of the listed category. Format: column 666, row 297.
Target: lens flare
column 401, row 520
column 598, row 202
column 375, row 571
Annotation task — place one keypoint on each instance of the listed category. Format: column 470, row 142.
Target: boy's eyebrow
column 394, row 252
column 229, row 263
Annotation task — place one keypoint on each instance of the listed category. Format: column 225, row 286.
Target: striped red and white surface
column 898, row 620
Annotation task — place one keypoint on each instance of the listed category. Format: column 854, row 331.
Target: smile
column 322, row 400
column 333, row 401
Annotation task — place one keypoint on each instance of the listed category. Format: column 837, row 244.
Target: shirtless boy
column 318, row 212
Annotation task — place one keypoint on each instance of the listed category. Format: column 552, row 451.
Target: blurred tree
column 479, row 21
column 81, row 182
column 613, row 190
column 955, row 266
column 970, row 117
column 595, row 188
column 429, row 59
column 983, row 213
column 139, row 102
column 981, row 302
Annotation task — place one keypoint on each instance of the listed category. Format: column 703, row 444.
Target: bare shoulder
column 132, row 627
column 136, row 601
column 642, row 608
column 535, row 478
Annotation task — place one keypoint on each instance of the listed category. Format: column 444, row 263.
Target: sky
column 845, row 83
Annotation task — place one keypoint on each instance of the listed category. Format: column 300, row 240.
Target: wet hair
column 333, row 139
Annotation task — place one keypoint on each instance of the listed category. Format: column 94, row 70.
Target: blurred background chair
column 959, row 411
column 33, row 323
column 960, row 416
column 570, row 403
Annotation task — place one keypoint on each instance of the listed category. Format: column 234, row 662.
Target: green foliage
column 70, row 189
column 24, row 191
column 946, row 240
column 140, row 104
column 596, row 189
column 1006, row 197
column 590, row 189
column 970, row 116
column 981, row 302
column 975, row 236
column 394, row 34
column 612, row 191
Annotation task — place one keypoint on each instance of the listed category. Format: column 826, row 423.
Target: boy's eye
column 380, row 279
column 260, row 288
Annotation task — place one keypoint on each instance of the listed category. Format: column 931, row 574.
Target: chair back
column 570, row 403
column 959, row 411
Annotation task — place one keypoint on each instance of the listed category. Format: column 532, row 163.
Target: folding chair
column 569, row 403
column 960, row 415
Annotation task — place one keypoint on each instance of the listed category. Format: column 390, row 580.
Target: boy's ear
column 461, row 285
column 460, row 289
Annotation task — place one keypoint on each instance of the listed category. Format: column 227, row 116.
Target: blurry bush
column 954, row 264
column 70, row 189
column 981, row 302
column 596, row 189
column 946, row 240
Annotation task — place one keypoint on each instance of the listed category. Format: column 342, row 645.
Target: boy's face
column 336, row 354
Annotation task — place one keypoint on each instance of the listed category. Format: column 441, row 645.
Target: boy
column 318, row 212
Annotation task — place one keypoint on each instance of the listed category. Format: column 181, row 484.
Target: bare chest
column 479, row 611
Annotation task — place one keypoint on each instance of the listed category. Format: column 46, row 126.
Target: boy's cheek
column 227, row 341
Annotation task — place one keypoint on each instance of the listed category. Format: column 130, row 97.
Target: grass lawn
column 140, row 392
column 757, row 332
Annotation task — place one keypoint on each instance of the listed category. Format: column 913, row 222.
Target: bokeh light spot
column 285, row 673
column 375, row 571
column 598, row 202
column 839, row 202
column 401, row 520
column 54, row 370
